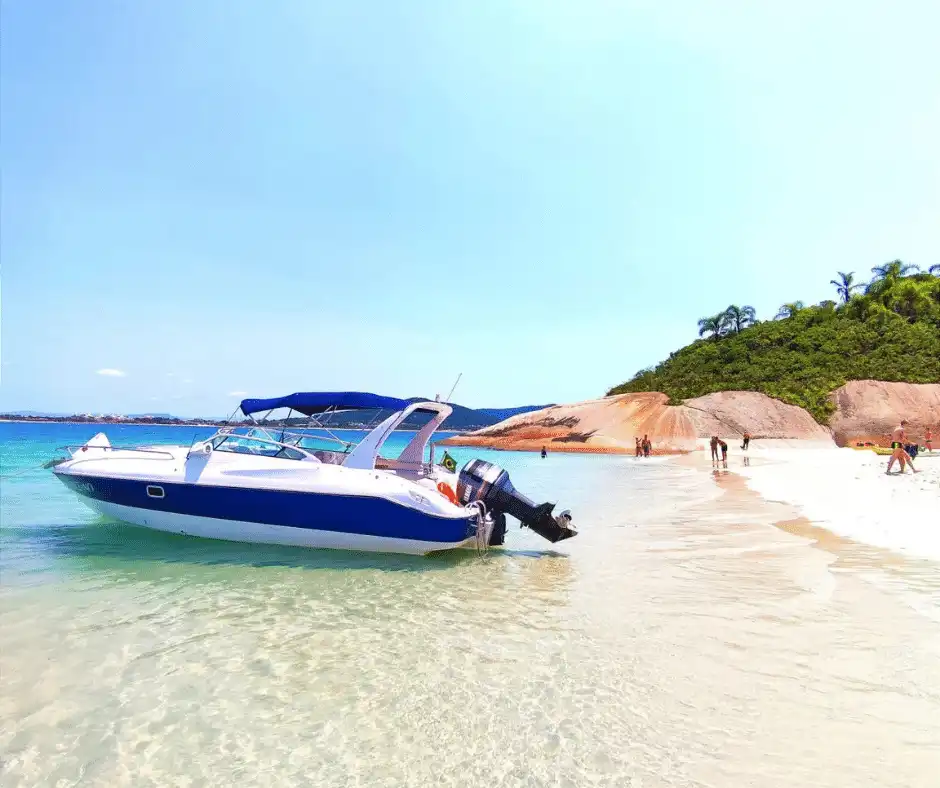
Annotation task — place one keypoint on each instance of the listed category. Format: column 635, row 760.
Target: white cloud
column 171, row 374
column 112, row 373
column 187, row 380
column 238, row 393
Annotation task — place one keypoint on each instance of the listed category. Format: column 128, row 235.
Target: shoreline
column 572, row 447
column 844, row 496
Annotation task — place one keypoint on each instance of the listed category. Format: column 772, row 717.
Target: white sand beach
column 846, row 491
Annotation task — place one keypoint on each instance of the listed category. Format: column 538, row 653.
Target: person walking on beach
column 647, row 446
column 897, row 448
column 724, row 453
column 639, row 448
column 747, row 440
column 713, row 443
column 544, row 453
column 928, row 440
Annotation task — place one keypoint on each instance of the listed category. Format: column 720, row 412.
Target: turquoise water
column 40, row 518
column 680, row 640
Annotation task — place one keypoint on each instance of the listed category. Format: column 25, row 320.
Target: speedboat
column 292, row 481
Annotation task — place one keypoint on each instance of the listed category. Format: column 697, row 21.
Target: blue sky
column 226, row 196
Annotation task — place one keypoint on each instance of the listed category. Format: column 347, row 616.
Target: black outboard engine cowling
column 482, row 481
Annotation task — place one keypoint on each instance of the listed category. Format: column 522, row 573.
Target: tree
column 888, row 274
column 739, row 317
column 789, row 310
column 716, row 325
column 934, row 269
column 844, row 285
column 894, row 270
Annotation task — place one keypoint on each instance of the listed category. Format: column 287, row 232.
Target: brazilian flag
column 448, row 463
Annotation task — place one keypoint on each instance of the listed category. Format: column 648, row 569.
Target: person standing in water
column 639, row 448
column 747, row 440
column 724, row 452
column 647, row 446
column 928, row 440
column 544, row 453
column 897, row 448
column 713, row 443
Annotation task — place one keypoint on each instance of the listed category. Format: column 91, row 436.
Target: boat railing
column 73, row 449
column 307, row 436
column 245, row 431
column 219, row 439
column 393, row 464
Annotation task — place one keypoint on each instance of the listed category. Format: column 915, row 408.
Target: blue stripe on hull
column 341, row 513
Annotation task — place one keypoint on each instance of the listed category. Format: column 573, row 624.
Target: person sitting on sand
column 724, row 452
column 713, row 443
column 897, row 448
column 639, row 448
column 747, row 440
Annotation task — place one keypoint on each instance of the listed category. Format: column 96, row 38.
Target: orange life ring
column 445, row 489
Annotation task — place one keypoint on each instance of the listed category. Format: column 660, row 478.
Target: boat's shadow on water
column 108, row 542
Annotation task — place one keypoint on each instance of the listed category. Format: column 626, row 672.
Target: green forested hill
column 889, row 331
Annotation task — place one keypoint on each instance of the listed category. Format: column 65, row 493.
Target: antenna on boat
column 453, row 387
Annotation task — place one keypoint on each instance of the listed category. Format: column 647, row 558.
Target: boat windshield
column 258, row 445
column 277, row 442
column 312, row 440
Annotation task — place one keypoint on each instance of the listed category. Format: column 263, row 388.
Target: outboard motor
column 482, row 481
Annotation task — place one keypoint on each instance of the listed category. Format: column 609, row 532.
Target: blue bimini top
column 310, row 402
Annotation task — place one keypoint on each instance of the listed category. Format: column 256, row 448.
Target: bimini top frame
column 366, row 453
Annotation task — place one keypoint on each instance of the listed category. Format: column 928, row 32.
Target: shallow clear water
column 680, row 640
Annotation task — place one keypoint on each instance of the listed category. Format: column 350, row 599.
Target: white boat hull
column 261, row 533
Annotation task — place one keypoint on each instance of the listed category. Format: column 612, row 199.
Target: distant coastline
column 461, row 419
column 159, row 421
column 143, row 420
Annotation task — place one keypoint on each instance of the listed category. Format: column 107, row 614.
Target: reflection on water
column 679, row 640
column 117, row 546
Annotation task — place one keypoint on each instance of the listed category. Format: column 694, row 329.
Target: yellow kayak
column 886, row 452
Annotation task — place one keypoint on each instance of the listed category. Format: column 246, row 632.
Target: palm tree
column 844, row 285
column 887, row 275
column 894, row 270
column 789, row 310
column 716, row 325
column 739, row 317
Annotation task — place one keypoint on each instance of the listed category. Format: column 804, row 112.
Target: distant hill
column 890, row 331
column 501, row 414
column 37, row 413
column 474, row 418
column 461, row 419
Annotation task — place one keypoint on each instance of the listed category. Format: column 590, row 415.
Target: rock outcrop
column 598, row 425
column 611, row 424
column 731, row 413
column 867, row 410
